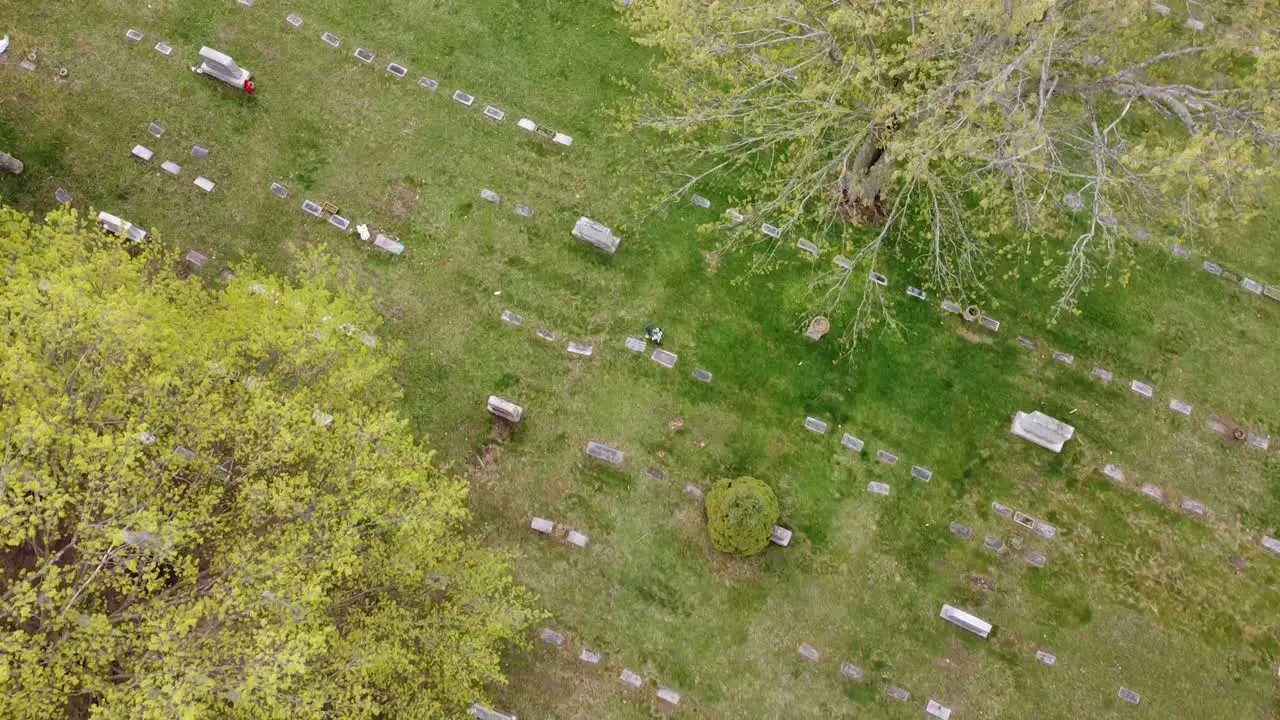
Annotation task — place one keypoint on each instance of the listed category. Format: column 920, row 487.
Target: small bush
column 741, row 513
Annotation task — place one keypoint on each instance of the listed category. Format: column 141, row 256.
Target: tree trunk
column 9, row 163
column 858, row 193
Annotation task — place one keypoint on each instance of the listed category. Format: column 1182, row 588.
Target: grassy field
column 1183, row 610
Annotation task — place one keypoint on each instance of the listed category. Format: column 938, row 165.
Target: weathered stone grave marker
column 164, row 49
column 134, row 35
column 815, row 425
column 511, row 318
column 365, row 56
column 1045, row 530
column 921, row 473
column 1270, row 543
column 878, row 488
column 989, row 323
column 504, row 409
column 1105, row 376
column 542, row 525
column 576, row 538
column 462, row 98
column 331, row 39
column 961, row 530
column 279, row 190
column 204, row 184
column 701, row 375
column 490, row 196
column 546, row 334
column 1179, row 406
column 171, row 167
column 886, row 457
column 842, row 262
column 636, row 345
column 1262, row 442
column 592, row 232
column 994, row 544
column 552, row 637
column 807, row 247
column 400, row 71
column 1181, row 252
column 1026, row 343
column 770, row 230
column 972, row 623
column 693, row 491
column 1064, row 358
column 951, row 307
column 878, row 279
column 808, row 652
column 851, row 442
column 494, row 113
column 1036, row 558
column 1046, row 658
column 1113, row 471
column 1212, row 268
column 896, row 693
column 155, row 130
column 664, row 358
column 603, row 452
column 196, row 259
column 780, row 536
column 734, row 216
column 62, row 196
column 428, row 83
column 1130, row 696
column 340, row 222
column 701, row 202
column 658, row 474
column 851, row 671
column 630, row 678
column 668, row 695
column 579, row 349
column 480, row 712
column 1001, row 509
column 1252, row 286
column 199, row 151
column 1153, row 491
column 184, row 453
column 916, row 292
column 1141, row 388
column 1194, row 507
column 322, row 418
column 1042, row 430
column 936, row 709
column 142, row 152
column 293, row 20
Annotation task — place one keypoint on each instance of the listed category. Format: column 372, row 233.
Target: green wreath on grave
column 741, row 513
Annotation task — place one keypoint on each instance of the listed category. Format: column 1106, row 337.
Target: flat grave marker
column 1270, row 543
column 1130, row 696
column 636, row 345
column 887, row 457
column 603, row 452
column 511, row 318
column 204, row 184
column 1262, row 442
column 493, row 113
column 951, row 307
column 1036, row 559
column 808, row 652
column 1064, row 358
column 1181, row 252
column 1046, row 658
column 771, row 230
column 1194, row 507
column 842, row 262
column 589, row 657
column 1216, row 426
column 196, row 259
column 851, row 671
column 552, row 637
column 734, row 216
column 134, row 35
column 630, row 678
column 1141, row 388
column 398, row 70
column 851, row 442
column 311, row 208
column 972, row 623
column 668, row 695
column 1212, row 268
column 142, row 152
column 701, row 202
column 331, row 39
column 815, row 425
column 1113, row 471
column 780, row 536
column 693, row 491
column 878, row 279
column 463, row 99
column 1181, row 407
column 199, row 151
column 657, row 474
column 62, row 196
column 994, row 544
column 961, row 530
column 664, row 358
column 579, row 349
column 1001, row 509
column 576, row 538
column 293, row 20
column 523, row 210
column 878, row 488
column 808, row 247
column 989, row 323
column 1102, row 374
column 279, row 190
column 1045, row 530
column 340, row 222
column 171, row 167
column 542, row 525
column 921, row 473
column 1026, row 343
column 428, row 83
column 155, row 130
column 896, row 693
column 701, row 375
column 1252, row 286
column 164, row 49
column 546, row 334
column 1153, row 491
column 916, row 292
column 936, row 709
column 365, row 56
column 490, row 196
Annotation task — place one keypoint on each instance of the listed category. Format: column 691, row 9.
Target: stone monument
column 1042, row 430
column 504, row 409
column 221, row 66
column 596, row 234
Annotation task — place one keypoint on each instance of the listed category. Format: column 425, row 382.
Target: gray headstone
column 490, row 196
column 369, row 340
column 1046, row 658
column 629, row 678
column 184, row 453
column 1270, row 543
column 851, row 442
column 155, row 130
column 989, row 323
column 463, row 98
column 546, row 334
column 1103, row 374
column 951, row 307
column 961, row 530
column 921, row 473
column 1026, row 343
column 293, row 20
column 494, row 113
column 1195, row 507
column 658, row 474
column 428, row 84
column 1262, row 442
column 1037, row 559
column 331, row 39
column 734, row 216
column 1179, row 406
column 701, row 202
column 199, row 151
column 816, row 425
column 1212, row 268
column 589, row 657
column 142, row 153
column 1114, row 472
column 636, row 345
column 1064, row 358
column 807, row 246
column 523, row 210
column 576, row 538
column 1181, row 252
column 511, row 318
column 551, row 637
column 842, row 262
column 204, row 183
column 664, row 358
column 279, row 190
column 668, row 695
column 994, row 544
column 693, row 491
column 1252, row 286
column 916, row 292
column 885, row 456
column 164, row 49
column 197, row 259
column 1141, row 388
column 603, row 452
column 480, row 712
column 878, row 488
column 780, row 536
column 579, row 349
column 1130, row 696
column 1045, row 530
column 134, row 35
column 62, row 196
column 340, row 222
column 897, row 693
column 365, row 56
column 808, row 652
column 1216, row 426
column 1153, row 491
column 878, row 279
column 1001, row 509
column 770, row 230
column 703, row 375
column 171, row 167
column 851, row 671
column 311, row 208
column 542, row 525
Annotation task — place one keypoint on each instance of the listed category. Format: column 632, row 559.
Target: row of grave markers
column 853, row 673
column 856, row 445
column 465, row 99
column 144, row 154
column 627, row 677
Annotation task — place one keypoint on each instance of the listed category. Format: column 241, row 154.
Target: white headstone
column 780, row 536
column 972, row 623
column 669, row 695
column 598, row 235
column 1046, row 658
column 603, row 452
column 463, row 99
column 1103, row 374
column 1181, row 407
column 142, row 153
column 629, row 678
column 885, row 456
column 770, row 230
column 1064, row 358
column 636, row 345
column 808, row 652
column 207, row 185
column 493, row 113
column 511, row 318
column 576, row 538
column 220, row 65
column 664, row 358
column 589, row 657
column 851, row 442
column 504, row 409
column 877, row 488
column 542, row 525
column 331, row 39
column 815, row 425
column 1042, row 430
column 1141, row 388
column 171, row 167
column 579, row 349
column 293, row 20
column 938, row 710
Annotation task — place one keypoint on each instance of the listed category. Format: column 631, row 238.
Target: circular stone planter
column 972, row 313
column 818, row 327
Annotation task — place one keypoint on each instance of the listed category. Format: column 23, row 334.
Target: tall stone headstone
column 1042, row 430
column 596, row 234
column 220, row 65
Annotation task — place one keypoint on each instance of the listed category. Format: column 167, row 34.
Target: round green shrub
column 741, row 513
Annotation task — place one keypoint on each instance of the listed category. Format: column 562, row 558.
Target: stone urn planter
column 818, row 327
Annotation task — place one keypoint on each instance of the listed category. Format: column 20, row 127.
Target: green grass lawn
column 1180, row 609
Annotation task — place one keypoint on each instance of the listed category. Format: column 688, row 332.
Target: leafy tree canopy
column 970, row 131
column 185, row 533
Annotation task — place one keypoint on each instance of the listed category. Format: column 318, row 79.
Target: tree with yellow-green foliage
column 210, row 506
column 966, row 132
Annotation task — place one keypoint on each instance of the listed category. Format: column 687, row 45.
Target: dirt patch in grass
column 974, row 337
column 401, row 202
column 712, row 260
